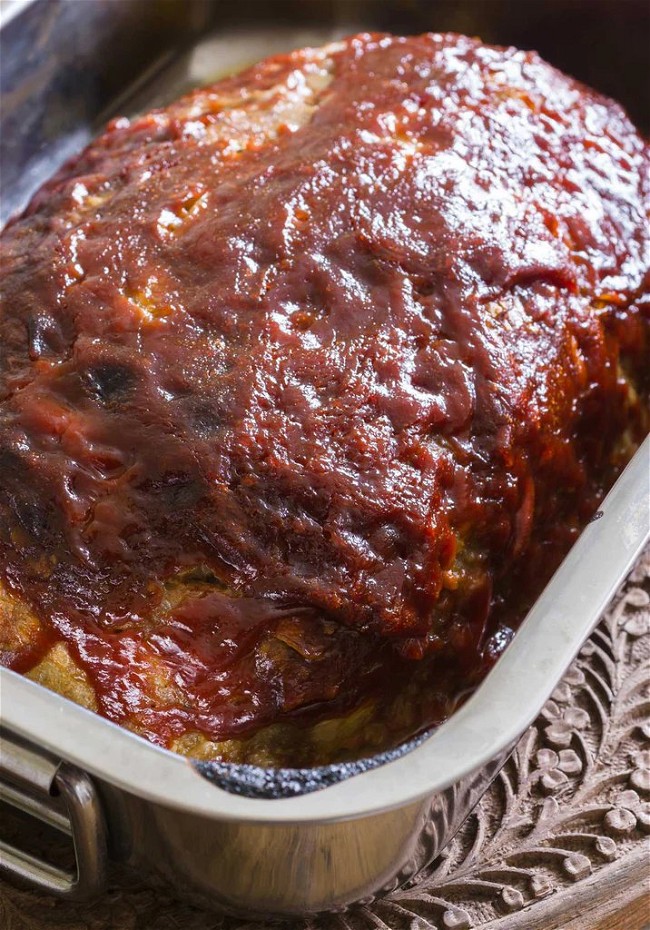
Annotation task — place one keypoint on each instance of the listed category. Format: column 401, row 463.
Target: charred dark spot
column 199, row 574
column 21, row 505
column 389, row 541
column 424, row 287
column 178, row 490
column 111, row 382
column 206, row 418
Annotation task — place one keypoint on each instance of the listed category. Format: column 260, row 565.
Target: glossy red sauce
column 361, row 369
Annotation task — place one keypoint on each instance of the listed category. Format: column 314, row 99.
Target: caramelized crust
column 307, row 383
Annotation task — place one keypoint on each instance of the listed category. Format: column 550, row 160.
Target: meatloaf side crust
column 307, row 383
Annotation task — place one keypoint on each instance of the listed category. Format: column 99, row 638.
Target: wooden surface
column 560, row 842
column 631, row 916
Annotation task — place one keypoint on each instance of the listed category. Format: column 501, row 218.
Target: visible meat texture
column 303, row 374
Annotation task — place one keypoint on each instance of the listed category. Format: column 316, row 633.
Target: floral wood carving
column 569, row 810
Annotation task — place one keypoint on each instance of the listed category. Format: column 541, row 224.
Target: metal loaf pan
column 235, row 837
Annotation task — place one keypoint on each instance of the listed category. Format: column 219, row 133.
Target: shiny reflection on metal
column 63, row 67
column 253, row 781
column 300, row 869
column 64, row 798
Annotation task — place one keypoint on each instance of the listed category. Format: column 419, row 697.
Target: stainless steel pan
column 290, row 842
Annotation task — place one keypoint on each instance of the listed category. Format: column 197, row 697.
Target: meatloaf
column 308, row 381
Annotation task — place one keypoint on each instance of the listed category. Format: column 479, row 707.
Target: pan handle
column 65, row 798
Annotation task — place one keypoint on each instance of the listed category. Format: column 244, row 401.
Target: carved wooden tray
column 559, row 841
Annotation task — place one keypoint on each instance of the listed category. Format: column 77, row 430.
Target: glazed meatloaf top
column 308, row 381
